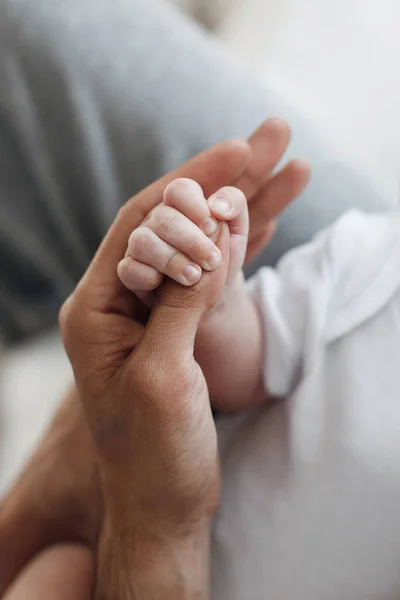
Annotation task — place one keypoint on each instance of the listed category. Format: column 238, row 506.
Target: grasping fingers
column 187, row 196
column 172, row 241
column 230, row 204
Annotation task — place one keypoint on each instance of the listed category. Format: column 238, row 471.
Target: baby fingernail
column 222, row 206
column 213, row 260
column 209, row 225
column 190, row 274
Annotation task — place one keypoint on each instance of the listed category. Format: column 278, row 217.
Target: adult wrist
column 150, row 562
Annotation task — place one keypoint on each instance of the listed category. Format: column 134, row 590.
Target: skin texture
column 228, row 344
column 107, row 494
column 173, row 237
column 61, row 572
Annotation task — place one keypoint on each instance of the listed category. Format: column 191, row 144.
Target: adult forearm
column 57, row 497
column 160, row 565
column 66, row 450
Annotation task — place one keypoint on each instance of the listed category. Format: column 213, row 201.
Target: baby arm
column 229, row 350
column 176, row 240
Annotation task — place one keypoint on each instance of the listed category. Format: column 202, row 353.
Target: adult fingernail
column 209, row 225
column 222, row 206
column 213, row 260
column 190, row 275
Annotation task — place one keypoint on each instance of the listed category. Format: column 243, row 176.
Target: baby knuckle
column 140, row 242
column 176, row 184
column 163, row 221
column 181, row 184
column 151, row 280
column 200, row 246
column 234, row 195
column 239, row 198
column 124, row 273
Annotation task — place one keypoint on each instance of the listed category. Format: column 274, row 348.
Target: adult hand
column 148, row 408
column 269, row 192
column 69, row 505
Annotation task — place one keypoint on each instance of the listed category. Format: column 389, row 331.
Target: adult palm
column 59, row 496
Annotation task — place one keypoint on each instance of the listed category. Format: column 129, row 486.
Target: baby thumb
column 175, row 319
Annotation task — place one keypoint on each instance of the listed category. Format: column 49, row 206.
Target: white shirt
column 311, row 507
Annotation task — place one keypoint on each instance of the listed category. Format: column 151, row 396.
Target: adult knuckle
column 69, row 320
column 63, row 316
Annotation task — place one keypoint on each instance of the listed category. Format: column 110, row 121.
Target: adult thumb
column 174, row 321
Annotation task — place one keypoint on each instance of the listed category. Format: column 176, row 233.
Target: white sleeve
column 292, row 302
column 321, row 290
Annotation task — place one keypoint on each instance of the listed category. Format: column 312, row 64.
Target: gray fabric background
column 97, row 99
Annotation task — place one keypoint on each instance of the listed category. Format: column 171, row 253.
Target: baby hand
column 176, row 238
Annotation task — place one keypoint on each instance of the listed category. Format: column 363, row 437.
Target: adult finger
column 282, row 189
column 272, row 200
column 268, row 145
column 173, row 324
column 100, row 289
